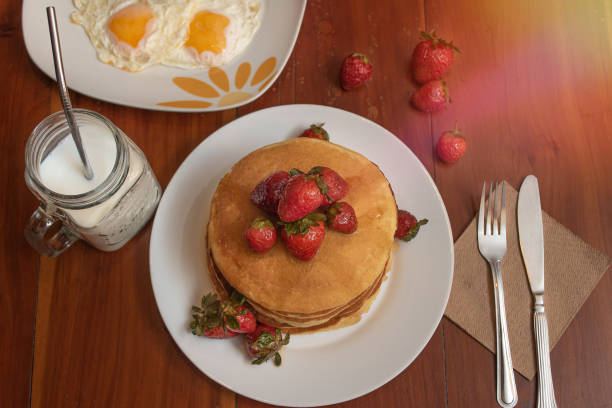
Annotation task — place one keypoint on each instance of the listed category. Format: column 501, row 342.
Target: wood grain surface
column 532, row 91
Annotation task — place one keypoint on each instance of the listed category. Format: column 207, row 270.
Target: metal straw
column 61, row 81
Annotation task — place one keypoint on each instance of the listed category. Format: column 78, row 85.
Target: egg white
column 167, row 32
column 244, row 17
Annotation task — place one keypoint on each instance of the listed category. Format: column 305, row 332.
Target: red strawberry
column 237, row 317
column 356, row 70
column 300, row 197
column 218, row 332
column 407, row 225
column 316, row 132
column 265, row 342
column 266, row 194
column 432, row 58
column 451, row 145
column 207, row 319
column 334, row 187
column 431, row 97
column 304, row 237
column 341, row 217
column 261, row 235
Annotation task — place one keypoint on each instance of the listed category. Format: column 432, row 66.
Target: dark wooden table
column 532, row 90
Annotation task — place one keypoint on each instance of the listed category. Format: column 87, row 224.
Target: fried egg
column 192, row 34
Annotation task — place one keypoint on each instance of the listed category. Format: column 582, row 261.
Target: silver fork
column 492, row 246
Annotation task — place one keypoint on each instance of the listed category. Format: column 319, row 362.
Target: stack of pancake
column 336, row 286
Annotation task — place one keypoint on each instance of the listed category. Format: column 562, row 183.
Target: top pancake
column 346, row 264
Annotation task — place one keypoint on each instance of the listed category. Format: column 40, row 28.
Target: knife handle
column 507, row 395
column 546, row 393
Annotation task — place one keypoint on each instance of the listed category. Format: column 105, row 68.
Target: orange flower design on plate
column 224, row 92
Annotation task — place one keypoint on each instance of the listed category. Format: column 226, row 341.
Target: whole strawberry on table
column 451, row 145
column 356, row 70
column 431, row 61
column 432, row 58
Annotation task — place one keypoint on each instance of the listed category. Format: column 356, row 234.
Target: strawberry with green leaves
column 432, row 58
column 302, row 195
column 407, row 225
column 237, row 317
column 264, row 343
column 332, row 185
column 261, row 235
column 222, row 319
column 341, row 217
column 316, row 132
column 304, row 236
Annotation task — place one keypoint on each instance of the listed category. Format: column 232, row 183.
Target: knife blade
column 531, row 239
column 531, row 233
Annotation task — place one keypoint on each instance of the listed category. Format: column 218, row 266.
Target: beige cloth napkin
column 572, row 270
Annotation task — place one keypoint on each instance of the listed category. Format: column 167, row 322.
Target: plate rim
column 427, row 338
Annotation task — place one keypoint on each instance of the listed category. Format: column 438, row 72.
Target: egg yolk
column 130, row 23
column 206, row 32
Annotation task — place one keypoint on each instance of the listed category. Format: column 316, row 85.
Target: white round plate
column 320, row 368
column 154, row 88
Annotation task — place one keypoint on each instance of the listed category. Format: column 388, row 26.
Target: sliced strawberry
column 264, row 343
column 341, row 217
column 304, row 237
column 267, row 193
column 300, row 197
column 261, row 235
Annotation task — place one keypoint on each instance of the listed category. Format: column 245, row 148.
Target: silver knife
column 531, row 238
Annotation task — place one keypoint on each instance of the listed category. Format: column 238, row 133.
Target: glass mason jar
column 109, row 210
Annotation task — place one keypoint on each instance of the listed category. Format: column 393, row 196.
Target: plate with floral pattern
column 238, row 82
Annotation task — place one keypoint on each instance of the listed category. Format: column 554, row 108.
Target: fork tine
column 502, row 227
column 489, row 214
column 481, row 210
column 495, row 208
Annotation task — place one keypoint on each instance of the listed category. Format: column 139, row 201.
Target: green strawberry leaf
column 277, row 359
column 294, row 172
column 264, row 340
column 261, row 223
column 302, row 226
column 315, row 170
column 414, row 230
column 232, row 322
column 237, row 298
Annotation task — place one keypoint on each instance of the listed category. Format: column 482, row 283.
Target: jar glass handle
column 37, row 228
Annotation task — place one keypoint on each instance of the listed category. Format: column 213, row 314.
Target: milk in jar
column 107, row 210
